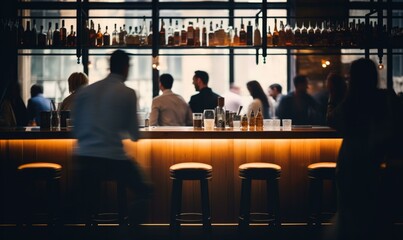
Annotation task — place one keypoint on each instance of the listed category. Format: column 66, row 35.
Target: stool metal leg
column 244, row 216
column 122, row 202
column 274, row 200
column 176, row 202
column 205, row 206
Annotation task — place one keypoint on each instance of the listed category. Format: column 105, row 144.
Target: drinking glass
column 197, row 121
column 209, row 116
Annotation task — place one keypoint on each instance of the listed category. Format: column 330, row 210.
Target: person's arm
column 154, row 115
column 133, row 128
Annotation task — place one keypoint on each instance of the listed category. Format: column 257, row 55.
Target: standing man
column 206, row 98
column 104, row 113
column 298, row 105
column 169, row 109
column 275, row 94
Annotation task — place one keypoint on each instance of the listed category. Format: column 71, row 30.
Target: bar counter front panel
column 159, row 148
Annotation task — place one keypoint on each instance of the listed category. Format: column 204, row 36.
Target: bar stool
column 318, row 173
column 34, row 173
column 270, row 173
column 94, row 215
column 190, row 171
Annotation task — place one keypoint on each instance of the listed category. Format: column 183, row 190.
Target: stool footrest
column 105, row 217
column 256, row 217
column 189, row 218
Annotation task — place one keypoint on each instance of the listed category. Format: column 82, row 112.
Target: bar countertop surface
column 297, row 132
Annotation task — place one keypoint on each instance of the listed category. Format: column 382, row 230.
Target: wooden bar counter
column 160, row 147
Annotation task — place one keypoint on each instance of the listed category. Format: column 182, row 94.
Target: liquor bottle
column 190, row 35
column 236, row 38
column 252, row 121
column 204, row 34
column 197, row 34
column 259, row 120
column 219, row 35
column 242, row 34
column 184, row 36
column 56, row 36
column 27, row 35
column 269, row 38
column 63, row 35
column 297, row 35
column 317, row 35
column 170, row 33
column 257, row 37
column 281, row 35
column 34, row 34
column 289, row 36
column 115, row 36
column 20, row 34
column 211, row 40
column 41, row 37
column 244, row 122
column 99, row 37
column 177, row 34
column 150, row 35
column 311, row 35
column 136, row 36
column 304, row 35
column 93, row 34
column 106, row 37
column 162, row 34
column 143, row 33
column 122, row 35
column 71, row 38
column 220, row 114
column 249, row 34
column 324, row 35
column 85, row 38
column 275, row 34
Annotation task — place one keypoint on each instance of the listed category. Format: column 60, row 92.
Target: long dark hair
column 256, row 91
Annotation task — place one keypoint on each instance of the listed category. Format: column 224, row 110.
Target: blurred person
column 369, row 120
column 104, row 114
column 36, row 104
column 260, row 99
column 275, row 94
column 298, row 105
column 206, row 98
column 233, row 98
column 13, row 111
column 169, row 109
column 76, row 80
column 335, row 83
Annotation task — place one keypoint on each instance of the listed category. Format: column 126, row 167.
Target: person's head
column 336, row 84
column 36, row 89
column 256, row 91
column 200, row 80
column 363, row 76
column 300, row 83
column 166, row 81
column 275, row 89
column 77, row 80
column 119, row 63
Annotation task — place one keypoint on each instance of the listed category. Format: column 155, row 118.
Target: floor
column 161, row 232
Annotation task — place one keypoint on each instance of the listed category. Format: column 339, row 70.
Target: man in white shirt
column 169, row 109
column 104, row 114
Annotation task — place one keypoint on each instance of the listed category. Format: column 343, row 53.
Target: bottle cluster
column 199, row 33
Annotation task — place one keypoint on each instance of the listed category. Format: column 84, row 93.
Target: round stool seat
column 323, row 170
column 41, row 169
column 259, row 170
column 191, row 171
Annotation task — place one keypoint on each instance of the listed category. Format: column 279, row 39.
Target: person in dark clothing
column 299, row 105
column 13, row 111
column 369, row 120
column 206, row 98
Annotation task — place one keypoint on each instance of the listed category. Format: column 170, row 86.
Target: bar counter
column 160, row 147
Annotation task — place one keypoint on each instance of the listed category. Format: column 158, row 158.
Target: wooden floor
column 221, row 232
